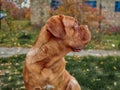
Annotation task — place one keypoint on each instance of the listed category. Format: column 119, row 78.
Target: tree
column 13, row 10
column 39, row 12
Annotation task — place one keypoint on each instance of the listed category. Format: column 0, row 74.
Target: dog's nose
column 87, row 35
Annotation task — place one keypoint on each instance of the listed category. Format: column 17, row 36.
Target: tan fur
column 44, row 67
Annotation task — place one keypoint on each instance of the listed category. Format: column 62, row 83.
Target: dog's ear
column 55, row 26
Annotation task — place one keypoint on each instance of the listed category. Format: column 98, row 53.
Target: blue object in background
column 55, row 4
column 2, row 14
column 91, row 3
column 117, row 6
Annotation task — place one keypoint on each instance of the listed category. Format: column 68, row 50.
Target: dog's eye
column 75, row 26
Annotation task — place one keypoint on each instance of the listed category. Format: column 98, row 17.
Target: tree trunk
column 39, row 12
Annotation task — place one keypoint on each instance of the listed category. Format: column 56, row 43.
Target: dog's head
column 67, row 29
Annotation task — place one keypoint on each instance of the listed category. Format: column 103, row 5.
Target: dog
column 44, row 67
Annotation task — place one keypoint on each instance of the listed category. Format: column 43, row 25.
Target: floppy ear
column 55, row 26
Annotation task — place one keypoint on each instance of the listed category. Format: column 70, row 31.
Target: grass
column 93, row 73
column 96, row 73
column 106, row 42
column 15, row 24
column 20, row 36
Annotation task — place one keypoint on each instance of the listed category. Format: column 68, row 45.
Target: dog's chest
column 47, row 74
column 39, row 73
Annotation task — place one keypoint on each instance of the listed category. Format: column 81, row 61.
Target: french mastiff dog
column 44, row 67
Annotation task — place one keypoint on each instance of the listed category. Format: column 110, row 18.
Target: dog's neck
column 48, row 51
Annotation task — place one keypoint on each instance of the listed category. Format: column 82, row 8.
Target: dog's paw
column 73, row 85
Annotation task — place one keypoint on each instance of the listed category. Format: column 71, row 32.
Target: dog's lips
column 76, row 50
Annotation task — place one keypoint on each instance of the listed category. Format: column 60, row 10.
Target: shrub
column 13, row 10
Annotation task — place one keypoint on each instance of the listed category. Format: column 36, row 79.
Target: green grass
column 11, row 73
column 15, row 24
column 93, row 73
column 22, row 34
column 96, row 73
column 17, row 38
column 106, row 42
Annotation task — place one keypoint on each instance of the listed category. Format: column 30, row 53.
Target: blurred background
column 21, row 21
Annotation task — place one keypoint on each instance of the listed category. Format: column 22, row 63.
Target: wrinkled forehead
column 69, row 21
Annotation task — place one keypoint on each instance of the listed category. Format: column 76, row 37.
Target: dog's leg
column 73, row 85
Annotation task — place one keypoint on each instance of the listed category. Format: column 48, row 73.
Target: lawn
column 106, row 42
column 17, row 38
column 93, row 73
column 22, row 34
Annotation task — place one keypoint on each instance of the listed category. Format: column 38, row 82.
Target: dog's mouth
column 76, row 50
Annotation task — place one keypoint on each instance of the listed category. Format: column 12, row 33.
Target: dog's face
column 68, row 31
